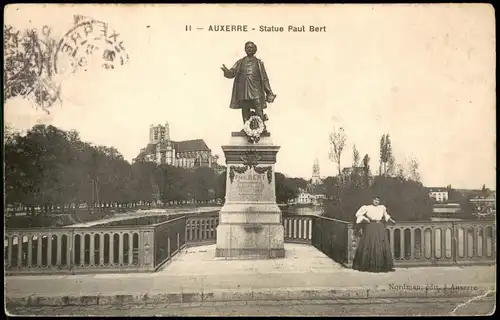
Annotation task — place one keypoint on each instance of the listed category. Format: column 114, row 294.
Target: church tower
column 315, row 173
column 159, row 133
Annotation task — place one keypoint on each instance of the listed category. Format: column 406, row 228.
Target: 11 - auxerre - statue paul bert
column 250, row 224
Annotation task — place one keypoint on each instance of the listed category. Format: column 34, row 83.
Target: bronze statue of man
column 251, row 89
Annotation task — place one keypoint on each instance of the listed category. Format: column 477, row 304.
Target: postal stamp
column 87, row 44
column 36, row 61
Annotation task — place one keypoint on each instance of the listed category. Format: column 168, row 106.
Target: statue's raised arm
column 229, row 73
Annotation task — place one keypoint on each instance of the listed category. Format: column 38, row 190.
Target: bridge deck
column 141, row 213
column 196, row 270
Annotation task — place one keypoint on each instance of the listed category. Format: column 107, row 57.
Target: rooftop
column 437, row 189
column 180, row 146
column 191, row 145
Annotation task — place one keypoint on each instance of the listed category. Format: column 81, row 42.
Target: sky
column 425, row 74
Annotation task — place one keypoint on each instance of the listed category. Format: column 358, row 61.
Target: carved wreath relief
column 250, row 160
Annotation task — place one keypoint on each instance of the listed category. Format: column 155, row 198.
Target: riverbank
column 151, row 212
column 86, row 218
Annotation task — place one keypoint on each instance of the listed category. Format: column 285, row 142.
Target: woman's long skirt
column 373, row 253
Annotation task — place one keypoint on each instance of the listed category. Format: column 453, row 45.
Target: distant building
column 318, row 197
column 304, row 198
column 439, row 194
column 446, row 208
column 186, row 154
column 484, row 205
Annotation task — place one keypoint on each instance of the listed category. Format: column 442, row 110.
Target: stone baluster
column 101, row 249
column 120, row 248
column 112, row 248
column 130, row 248
column 91, row 261
column 49, row 249
column 39, row 251
column 30, row 250
column 9, row 250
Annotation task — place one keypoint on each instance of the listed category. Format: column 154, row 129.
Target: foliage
column 286, row 189
column 366, row 171
column 220, row 185
column 406, row 200
column 414, row 168
column 337, row 140
column 298, row 183
column 386, row 157
column 50, row 167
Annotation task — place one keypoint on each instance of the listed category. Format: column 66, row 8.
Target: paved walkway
column 195, row 275
column 329, row 308
column 141, row 213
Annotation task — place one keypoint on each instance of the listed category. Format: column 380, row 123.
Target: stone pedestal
column 250, row 221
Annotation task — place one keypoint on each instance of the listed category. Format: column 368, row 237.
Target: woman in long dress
column 373, row 253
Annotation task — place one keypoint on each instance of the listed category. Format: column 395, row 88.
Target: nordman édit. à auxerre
column 245, row 28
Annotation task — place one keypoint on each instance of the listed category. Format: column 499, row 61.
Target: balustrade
column 78, row 250
column 298, row 229
column 331, row 236
column 170, row 238
column 424, row 243
column 129, row 248
column 201, row 230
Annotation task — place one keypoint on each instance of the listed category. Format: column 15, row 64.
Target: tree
column 16, row 163
column 355, row 157
column 10, row 133
column 285, row 189
column 454, row 195
column 356, row 175
column 385, row 153
column 49, row 167
column 175, row 184
column 413, row 169
column 405, row 200
column 220, row 185
column 382, row 155
column 337, row 140
column 391, row 167
column 298, row 183
column 366, row 171
column 485, row 191
column 319, row 189
column 215, row 160
column 143, row 181
column 400, row 172
column 203, row 184
column 331, row 186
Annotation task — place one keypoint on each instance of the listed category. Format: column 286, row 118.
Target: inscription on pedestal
column 259, row 170
column 250, row 184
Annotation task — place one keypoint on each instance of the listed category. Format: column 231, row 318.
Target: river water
column 302, row 211
column 318, row 210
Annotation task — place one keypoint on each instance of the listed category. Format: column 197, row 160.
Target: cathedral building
column 186, row 154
